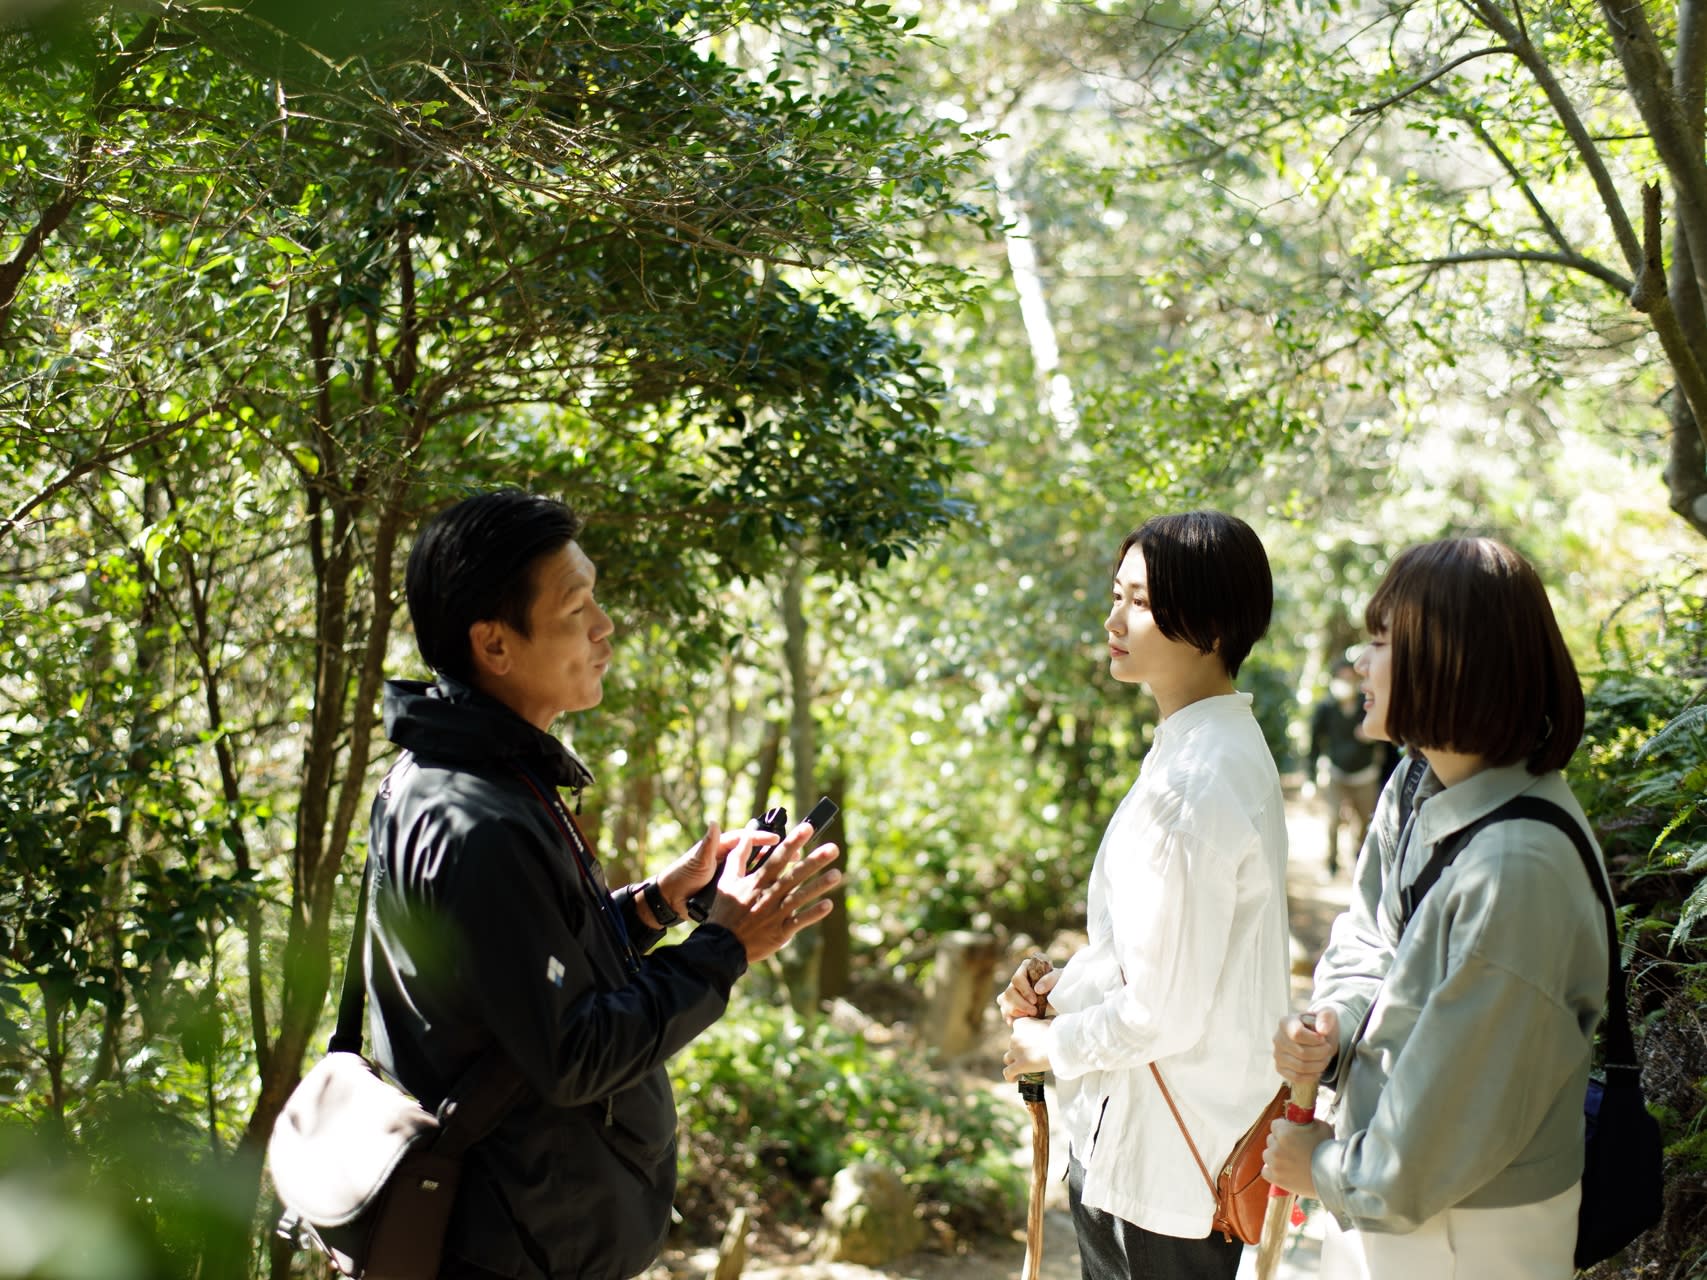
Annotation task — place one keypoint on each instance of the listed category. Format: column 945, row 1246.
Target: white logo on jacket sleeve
column 554, row 971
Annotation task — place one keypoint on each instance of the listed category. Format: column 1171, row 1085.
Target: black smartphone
column 822, row 815
column 774, row 821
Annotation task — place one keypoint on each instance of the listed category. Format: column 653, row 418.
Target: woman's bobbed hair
column 1478, row 664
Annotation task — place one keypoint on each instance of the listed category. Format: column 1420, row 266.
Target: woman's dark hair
column 1209, row 581
column 1478, row 664
column 474, row 562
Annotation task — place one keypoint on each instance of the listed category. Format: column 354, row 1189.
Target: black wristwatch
column 658, row 904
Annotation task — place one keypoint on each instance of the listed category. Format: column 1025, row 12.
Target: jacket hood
column 455, row 724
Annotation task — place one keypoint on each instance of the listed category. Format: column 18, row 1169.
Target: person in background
column 491, row 927
column 1352, row 770
column 1456, row 1033
column 1187, row 951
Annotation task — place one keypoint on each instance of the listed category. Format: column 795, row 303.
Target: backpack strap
column 1620, row 1043
column 1415, row 767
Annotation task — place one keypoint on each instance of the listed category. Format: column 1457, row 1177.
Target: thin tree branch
column 1554, row 233
column 1566, row 111
column 1430, row 78
column 1574, row 261
column 101, row 461
column 107, row 81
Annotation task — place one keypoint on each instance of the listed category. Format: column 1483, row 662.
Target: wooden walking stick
column 1031, row 1089
column 1300, row 1109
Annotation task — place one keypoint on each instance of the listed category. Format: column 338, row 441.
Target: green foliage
column 279, row 281
column 771, row 1108
column 1640, row 774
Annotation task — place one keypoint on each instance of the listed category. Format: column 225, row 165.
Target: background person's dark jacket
column 1333, row 733
column 483, row 931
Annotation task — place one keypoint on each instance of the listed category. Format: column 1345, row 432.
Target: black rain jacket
column 483, row 931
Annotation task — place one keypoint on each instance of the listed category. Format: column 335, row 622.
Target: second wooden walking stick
column 1300, row 1109
column 1031, row 1090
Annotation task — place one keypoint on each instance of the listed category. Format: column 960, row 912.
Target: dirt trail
column 1313, row 904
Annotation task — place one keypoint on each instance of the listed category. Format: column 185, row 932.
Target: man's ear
column 489, row 647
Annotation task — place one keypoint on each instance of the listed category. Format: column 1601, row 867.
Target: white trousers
column 1525, row 1242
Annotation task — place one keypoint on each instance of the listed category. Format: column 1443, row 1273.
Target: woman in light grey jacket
column 1456, row 1027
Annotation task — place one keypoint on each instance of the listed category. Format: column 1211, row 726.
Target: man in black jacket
column 491, row 926
column 1353, row 776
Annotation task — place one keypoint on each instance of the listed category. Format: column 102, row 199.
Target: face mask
column 1341, row 689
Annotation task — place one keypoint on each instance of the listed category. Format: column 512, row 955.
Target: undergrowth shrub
column 771, row 1108
column 1641, row 774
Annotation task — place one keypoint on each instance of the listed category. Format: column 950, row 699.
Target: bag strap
column 352, row 1000
column 1415, row 767
column 480, row 1096
column 1620, row 1043
column 1186, row 1133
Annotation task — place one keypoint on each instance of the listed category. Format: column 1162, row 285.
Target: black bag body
column 1623, row 1178
column 366, row 1174
column 1623, row 1183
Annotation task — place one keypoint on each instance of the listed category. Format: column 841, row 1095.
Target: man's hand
column 1028, row 992
column 767, row 907
column 1028, row 1048
column 692, row 871
column 1286, row 1158
column 1303, row 1055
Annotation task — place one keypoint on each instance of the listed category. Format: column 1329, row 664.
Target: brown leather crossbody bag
column 1240, row 1190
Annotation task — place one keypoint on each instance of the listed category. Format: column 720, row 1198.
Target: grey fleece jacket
column 1467, row 1086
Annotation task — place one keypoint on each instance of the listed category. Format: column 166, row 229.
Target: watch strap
column 658, row 904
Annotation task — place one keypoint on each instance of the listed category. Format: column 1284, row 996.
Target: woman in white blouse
column 1186, row 965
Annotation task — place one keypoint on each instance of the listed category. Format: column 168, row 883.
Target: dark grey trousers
column 1111, row 1248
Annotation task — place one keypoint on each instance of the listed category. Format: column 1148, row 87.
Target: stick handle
column 1031, row 1083
column 1300, row 1104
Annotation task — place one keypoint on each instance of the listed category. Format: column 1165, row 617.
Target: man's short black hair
column 1209, row 581
column 1478, row 664
column 474, row 562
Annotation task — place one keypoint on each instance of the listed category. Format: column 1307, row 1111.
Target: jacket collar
column 1445, row 810
column 453, row 723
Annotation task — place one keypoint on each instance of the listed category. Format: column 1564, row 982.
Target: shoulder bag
column 1623, row 1167
column 365, row 1173
column 1240, row 1190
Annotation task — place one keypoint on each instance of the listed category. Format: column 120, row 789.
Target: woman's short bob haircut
column 1478, row 664
column 1209, row 581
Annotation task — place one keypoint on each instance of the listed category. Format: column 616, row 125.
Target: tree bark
column 800, row 959
column 835, row 969
column 1054, row 387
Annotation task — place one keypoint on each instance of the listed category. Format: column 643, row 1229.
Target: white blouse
column 1186, row 967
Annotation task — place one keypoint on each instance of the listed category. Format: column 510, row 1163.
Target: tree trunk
column 835, row 970
column 627, row 855
column 335, row 764
column 1054, row 387
column 800, row 958
column 764, row 777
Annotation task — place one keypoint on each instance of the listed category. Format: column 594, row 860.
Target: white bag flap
column 342, row 1132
